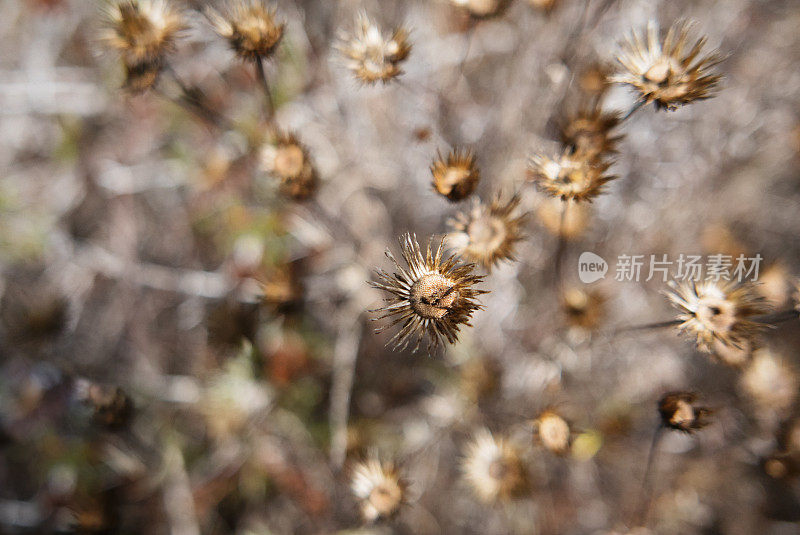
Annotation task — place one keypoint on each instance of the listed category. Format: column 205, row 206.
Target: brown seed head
column 679, row 411
column 288, row 160
column 250, row 27
column 456, row 176
column 488, row 234
column 667, row 74
column 570, row 176
column 430, row 296
column 370, row 55
column 718, row 311
column 380, row 489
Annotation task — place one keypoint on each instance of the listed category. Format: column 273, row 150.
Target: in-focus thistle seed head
column 430, row 296
column 371, row 56
column 487, row 234
column 379, row 487
column 144, row 32
column 288, row 160
column 553, row 432
column 588, row 132
column 668, row 74
column 570, row 176
column 679, row 411
column 718, row 311
column 493, row 468
column 249, row 26
column 456, row 176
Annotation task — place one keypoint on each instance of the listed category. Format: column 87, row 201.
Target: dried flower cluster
column 679, row 411
column 144, row 32
column 668, row 74
column 493, row 468
column 718, row 312
column 249, row 26
column 371, row 56
column 288, row 160
column 456, row 176
column 570, row 176
column 485, row 234
column 379, row 487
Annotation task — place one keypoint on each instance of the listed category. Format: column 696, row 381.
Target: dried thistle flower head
column 372, row 57
column 250, row 27
column 553, row 432
column 380, row 489
column 679, row 411
column 667, row 74
column 285, row 158
column 144, row 33
column 481, row 8
column 567, row 219
column 770, row 381
column 488, row 234
column 112, row 407
column 543, row 5
column 432, row 297
column 588, row 131
column 456, row 176
column 583, row 308
column 570, row 176
column 718, row 310
column 493, row 468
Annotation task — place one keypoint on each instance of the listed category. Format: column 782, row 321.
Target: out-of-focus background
column 146, row 386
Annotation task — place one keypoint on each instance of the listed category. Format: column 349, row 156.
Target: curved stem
column 636, row 107
column 264, row 81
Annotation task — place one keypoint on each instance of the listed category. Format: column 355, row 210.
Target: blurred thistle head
column 543, row 5
column 456, row 176
column 144, row 32
column 566, row 219
column 493, row 468
column 587, row 132
column 288, row 160
column 430, row 296
column 371, row 56
column 570, row 176
column 379, row 487
column 481, row 9
column 770, row 381
column 718, row 311
column 487, row 234
column 249, row 26
column 478, row 378
column 582, row 308
column 112, row 407
column 668, row 74
column 553, row 432
column 679, row 411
